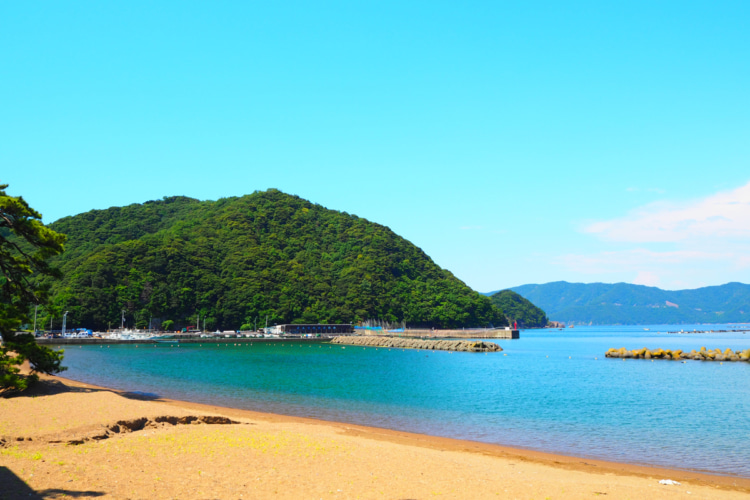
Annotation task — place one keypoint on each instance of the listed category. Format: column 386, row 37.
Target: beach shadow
column 140, row 396
column 59, row 493
column 48, row 387
column 14, row 487
column 52, row 387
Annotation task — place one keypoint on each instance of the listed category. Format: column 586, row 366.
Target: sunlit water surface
column 549, row 390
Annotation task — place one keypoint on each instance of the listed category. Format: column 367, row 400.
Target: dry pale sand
column 64, row 442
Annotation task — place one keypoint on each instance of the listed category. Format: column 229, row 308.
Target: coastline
column 347, row 455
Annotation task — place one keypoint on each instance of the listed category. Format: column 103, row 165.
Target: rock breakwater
column 701, row 355
column 436, row 345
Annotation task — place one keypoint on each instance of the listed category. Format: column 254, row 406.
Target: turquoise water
column 545, row 391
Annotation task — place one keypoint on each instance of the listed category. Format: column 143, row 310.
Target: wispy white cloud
column 635, row 260
column 694, row 243
column 724, row 215
column 666, row 269
column 646, row 278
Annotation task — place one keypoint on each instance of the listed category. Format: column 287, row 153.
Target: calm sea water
column 546, row 391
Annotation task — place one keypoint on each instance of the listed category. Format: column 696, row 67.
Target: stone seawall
column 402, row 343
column 701, row 355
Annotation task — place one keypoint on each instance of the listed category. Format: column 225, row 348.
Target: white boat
column 128, row 334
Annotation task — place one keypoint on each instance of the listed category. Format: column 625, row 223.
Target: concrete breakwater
column 701, row 355
column 405, row 343
column 471, row 333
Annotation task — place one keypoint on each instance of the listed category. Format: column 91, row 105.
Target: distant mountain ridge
column 626, row 304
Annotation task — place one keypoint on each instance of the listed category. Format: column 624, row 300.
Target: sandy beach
column 69, row 439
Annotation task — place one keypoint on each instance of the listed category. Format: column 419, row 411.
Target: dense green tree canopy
column 241, row 260
column 517, row 308
column 25, row 247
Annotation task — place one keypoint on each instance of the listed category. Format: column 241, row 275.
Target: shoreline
column 555, row 460
column 66, row 438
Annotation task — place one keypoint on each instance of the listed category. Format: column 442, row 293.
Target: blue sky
column 514, row 142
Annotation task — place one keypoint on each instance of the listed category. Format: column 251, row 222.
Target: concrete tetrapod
column 403, row 343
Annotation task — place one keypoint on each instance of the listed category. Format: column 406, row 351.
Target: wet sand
column 65, row 439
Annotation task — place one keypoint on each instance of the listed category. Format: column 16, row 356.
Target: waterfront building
column 312, row 329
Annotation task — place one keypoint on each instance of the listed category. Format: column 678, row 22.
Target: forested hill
column 238, row 260
column 626, row 304
column 519, row 309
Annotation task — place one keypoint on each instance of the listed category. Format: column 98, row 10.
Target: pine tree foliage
column 26, row 246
